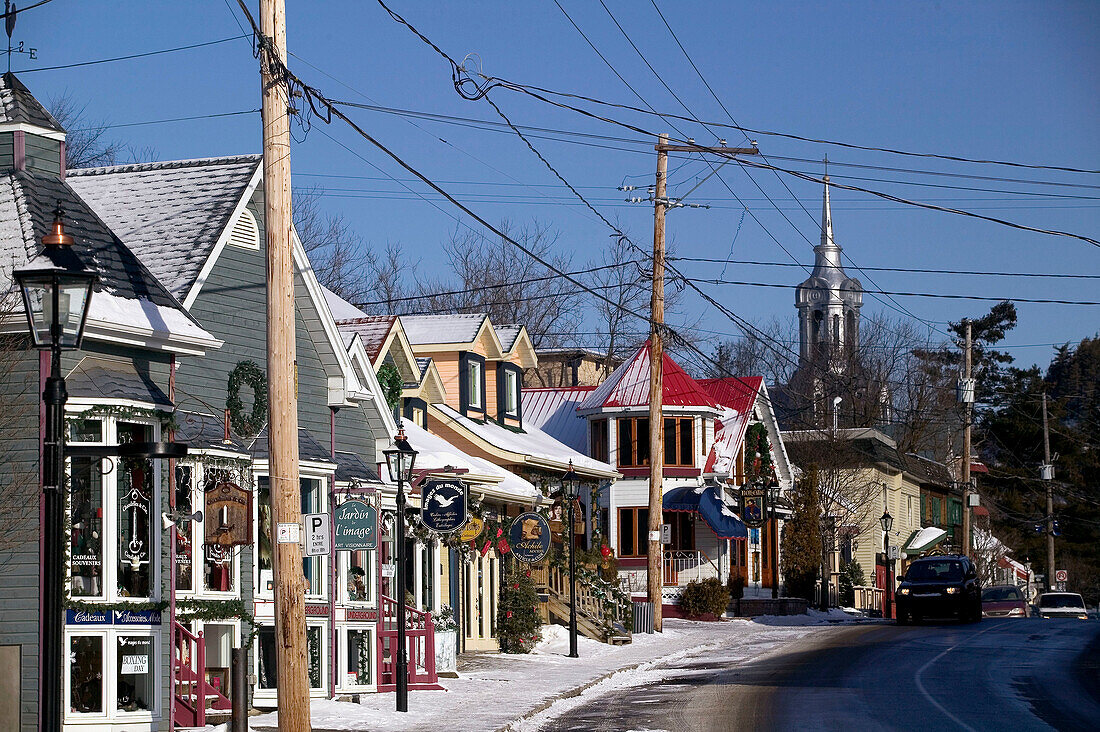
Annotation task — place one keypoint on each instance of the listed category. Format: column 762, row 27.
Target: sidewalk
column 495, row 691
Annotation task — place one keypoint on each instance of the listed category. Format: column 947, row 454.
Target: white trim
column 33, row 129
column 342, row 629
column 215, row 253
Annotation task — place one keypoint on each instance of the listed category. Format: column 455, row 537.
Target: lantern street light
column 57, row 290
column 570, row 483
column 887, row 522
column 400, row 460
column 773, row 531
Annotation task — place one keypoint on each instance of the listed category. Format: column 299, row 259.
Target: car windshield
column 1051, row 601
column 1001, row 594
column 942, row 570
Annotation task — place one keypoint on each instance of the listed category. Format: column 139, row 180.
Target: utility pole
column 290, row 618
column 967, row 397
column 655, row 571
column 661, row 204
column 1047, row 474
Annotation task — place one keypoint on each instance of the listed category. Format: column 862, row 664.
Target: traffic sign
column 1061, row 575
column 318, row 536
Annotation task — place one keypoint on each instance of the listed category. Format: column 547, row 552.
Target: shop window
column 184, row 505
column 135, row 487
column 86, row 674
column 633, row 442
column 134, row 666
column 633, row 532
column 218, row 567
column 312, row 567
column 359, row 576
column 264, row 565
column 358, row 657
column 598, row 439
column 679, row 442
column 267, row 672
column 86, row 539
column 682, row 525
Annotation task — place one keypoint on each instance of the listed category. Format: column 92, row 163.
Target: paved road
column 997, row 675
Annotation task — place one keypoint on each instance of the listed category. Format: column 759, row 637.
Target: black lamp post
column 569, row 483
column 56, row 293
column 887, row 522
column 400, row 459
column 773, row 497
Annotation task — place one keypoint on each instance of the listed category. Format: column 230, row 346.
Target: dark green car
column 939, row 587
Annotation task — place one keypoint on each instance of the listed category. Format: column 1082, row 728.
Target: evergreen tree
column 518, row 619
column 851, row 576
column 801, row 559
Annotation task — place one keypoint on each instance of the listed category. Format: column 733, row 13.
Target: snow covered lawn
column 501, row 688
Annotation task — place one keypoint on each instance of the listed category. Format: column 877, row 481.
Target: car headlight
column 903, row 591
column 1083, row 617
column 952, row 590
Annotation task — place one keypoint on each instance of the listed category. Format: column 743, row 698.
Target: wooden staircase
column 195, row 700
column 596, row 618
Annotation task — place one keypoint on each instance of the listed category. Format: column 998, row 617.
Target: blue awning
column 705, row 501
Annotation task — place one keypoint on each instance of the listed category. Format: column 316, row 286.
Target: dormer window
column 509, row 383
column 471, row 374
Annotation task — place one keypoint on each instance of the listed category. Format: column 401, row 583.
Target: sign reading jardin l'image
column 443, row 508
column 356, row 526
column 530, row 537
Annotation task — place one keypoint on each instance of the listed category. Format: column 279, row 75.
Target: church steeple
column 828, row 301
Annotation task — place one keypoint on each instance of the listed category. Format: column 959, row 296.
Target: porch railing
column 600, row 617
column 192, row 694
column 834, row 594
column 868, row 598
column 681, row 566
column 419, row 640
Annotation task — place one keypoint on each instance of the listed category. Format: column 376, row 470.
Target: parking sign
column 317, row 534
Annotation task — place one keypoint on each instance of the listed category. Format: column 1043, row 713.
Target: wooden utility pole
column 968, row 407
column 286, row 498
column 1048, row 477
column 655, row 571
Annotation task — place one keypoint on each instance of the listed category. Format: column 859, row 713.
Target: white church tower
column 828, row 303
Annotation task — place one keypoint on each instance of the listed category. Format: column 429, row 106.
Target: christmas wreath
column 247, row 372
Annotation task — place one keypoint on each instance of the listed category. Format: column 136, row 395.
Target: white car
column 1062, row 605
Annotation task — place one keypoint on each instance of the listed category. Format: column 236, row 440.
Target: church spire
column 827, row 260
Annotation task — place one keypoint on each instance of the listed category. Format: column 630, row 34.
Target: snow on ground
column 816, row 617
column 498, row 689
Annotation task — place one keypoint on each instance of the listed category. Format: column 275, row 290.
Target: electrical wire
column 134, row 55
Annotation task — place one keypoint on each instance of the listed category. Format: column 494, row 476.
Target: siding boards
column 43, row 155
column 7, row 150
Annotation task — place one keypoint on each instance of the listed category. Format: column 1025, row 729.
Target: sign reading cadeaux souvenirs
column 443, row 505
column 356, row 526
column 754, row 505
column 530, row 537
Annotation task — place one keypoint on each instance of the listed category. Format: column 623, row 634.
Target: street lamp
column 570, row 483
column 773, row 497
column 887, row 522
column 400, row 459
column 57, row 290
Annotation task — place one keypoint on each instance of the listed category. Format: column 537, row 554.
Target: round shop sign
column 443, row 506
column 472, row 529
column 530, row 537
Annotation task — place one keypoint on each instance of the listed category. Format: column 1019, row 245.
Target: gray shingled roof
column 18, row 105
column 508, row 335
column 107, row 378
column 929, row 471
column 205, row 432
column 350, row 466
column 171, row 214
column 27, row 203
column 308, row 447
column 450, row 328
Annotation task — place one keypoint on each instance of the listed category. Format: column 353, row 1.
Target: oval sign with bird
column 443, row 505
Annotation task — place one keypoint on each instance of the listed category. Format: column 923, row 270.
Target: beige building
column 560, row 367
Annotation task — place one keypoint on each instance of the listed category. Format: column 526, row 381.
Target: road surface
column 1026, row 674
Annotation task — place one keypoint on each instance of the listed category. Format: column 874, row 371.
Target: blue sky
column 995, row 80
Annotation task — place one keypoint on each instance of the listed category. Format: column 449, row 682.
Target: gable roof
column 373, row 330
column 341, row 308
column 734, row 392
column 18, row 106
column 554, row 411
column 628, row 386
column 444, row 328
column 929, row 471
column 508, row 335
column 171, row 213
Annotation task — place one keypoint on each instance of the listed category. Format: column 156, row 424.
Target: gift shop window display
column 267, row 673
column 204, row 570
column 112, row 675
column 313, row 500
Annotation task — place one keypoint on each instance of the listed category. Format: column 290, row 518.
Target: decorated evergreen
column 518, row 619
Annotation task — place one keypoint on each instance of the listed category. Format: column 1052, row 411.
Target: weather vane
column 10, row 12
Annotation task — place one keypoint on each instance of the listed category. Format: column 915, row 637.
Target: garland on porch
column 248, row 373
column 167, row 420
column 758, row 454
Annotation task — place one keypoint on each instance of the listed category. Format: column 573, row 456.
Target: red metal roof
column 628, row 386
column 737, row 397
column 736, row 392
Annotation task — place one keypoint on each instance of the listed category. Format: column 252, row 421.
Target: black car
column 939, row 587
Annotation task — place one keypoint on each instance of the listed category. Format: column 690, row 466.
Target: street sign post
column 318, row 536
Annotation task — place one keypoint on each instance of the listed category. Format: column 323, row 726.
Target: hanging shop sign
column 228, row 514
column 472, row 529
column 356, row 526
column 443, row 505
column 530, row 537
column 754, row 505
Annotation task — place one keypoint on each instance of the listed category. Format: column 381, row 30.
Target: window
column 202, row 568
column 598, row 439
column 682, row 524
column 509, row 383
column 112, row 674
column 86, row 674
column 312, row 566
column 633, row 532
column 680, row 441
column 416, row 411
column 134, row 665
column 267, row 671
column 633, row 442
column 471, row 372
column 184, row 538
column 312, row 501
column 114, row 531
column 358, row 657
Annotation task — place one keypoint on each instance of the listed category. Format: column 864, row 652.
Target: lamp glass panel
column 407, row 460
column 39, row 304
column 72, row 303
column 393, row 462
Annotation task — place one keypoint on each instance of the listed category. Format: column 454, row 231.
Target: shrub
column 737, row 586
column 518, row 621
column 709, row 596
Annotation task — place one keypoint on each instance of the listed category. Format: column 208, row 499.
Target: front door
column 479, row 601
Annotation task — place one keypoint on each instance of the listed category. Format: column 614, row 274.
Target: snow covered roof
column 340, row 308
column 113, row 378
column 554, row 411
column 508, row 335
column 446, row 328
column 628, row 386
column 531, row 445
column 372, row 329
column 172, row 214
column 436, row 453
column 18, row 105
column 924, row 539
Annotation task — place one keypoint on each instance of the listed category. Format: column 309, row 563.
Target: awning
column 923, row 539
column 703, row 500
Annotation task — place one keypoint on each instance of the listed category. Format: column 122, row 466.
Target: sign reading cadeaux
column 356, row 526
column 529, row 537
column 754, row 505
column 443, row 508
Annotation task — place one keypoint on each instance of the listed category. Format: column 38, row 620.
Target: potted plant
column 446, row 641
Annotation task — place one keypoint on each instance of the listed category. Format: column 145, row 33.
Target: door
column 479, row 601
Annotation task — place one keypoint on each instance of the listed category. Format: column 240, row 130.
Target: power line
column 167, row 120
column 133, row 55
column 710, row 260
